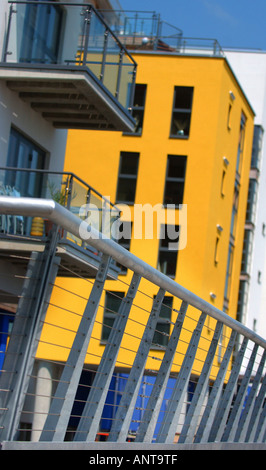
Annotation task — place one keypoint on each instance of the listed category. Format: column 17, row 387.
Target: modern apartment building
column 187, row 163
column 178, row 171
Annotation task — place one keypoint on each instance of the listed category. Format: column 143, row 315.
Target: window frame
column 126, row 176
column 172, row 179
column 165, row 249
column 180, row 110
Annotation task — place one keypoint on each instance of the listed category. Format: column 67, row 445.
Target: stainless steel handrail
column 62, row 217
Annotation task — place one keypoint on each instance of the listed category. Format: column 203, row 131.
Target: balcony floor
column 15, row 251
column 68, row 97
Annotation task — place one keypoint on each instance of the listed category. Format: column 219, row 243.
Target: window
column 247, row 251
column 112, row 304
column 125, row 229
column 240, row 144
column 251, row 202
column 175, row 179
column 127, row 178
column 162, row 330
column 234, row 210
column 182, row 108
column 168, row 249
column 23, row 153
column 41, row 34
column 228, row 278
column 138, row 107
column 257, row 146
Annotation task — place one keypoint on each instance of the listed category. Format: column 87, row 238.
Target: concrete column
column 43, row 395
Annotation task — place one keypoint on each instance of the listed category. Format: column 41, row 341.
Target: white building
column 250, row 68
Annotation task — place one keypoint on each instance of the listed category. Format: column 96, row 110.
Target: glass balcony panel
column 111, row 64
column 126, row 82
column 95, row 45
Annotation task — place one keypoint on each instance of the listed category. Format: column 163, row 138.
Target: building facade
column 185, row 171
column 251, row 71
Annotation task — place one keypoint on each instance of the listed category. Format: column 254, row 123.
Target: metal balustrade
column 203, row 386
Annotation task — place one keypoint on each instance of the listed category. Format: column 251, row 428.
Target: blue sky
column 234, row 23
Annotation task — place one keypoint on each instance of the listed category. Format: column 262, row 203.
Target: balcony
column 19, row 235
column 146, row 31
column 65, row 61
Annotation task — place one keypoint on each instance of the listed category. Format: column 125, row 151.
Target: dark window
column 175, row 179
column 182, row 109
column 257, row 146
column 241, row 141
column 23, row 153
column 127, row 178
column 41, row 34
column 168, row 249
column 162, row 330
column 112, row 304
column 228, row 277
column 124, row 237
column 138, row 107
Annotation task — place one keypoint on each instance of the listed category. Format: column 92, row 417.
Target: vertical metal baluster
column 43, row 267
column 225, row 402
column 119, row 429
column 256, row 414
column 210, row 410
column 246, row 414
column 192, row 417
column 57, row 420
column 261, row 430
column 168, row 427
column 241, row 394
column 92, row 412
column 146, row 429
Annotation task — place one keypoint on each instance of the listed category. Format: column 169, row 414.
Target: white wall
column 250, row 69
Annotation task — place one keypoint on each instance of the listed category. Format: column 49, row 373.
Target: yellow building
column 192, row 150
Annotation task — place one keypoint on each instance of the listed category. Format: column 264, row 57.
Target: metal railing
column 69, row 35
column 205, row 384
column 65, row 188
column 146, row 30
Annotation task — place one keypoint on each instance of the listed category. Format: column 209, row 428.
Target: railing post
column 121, row 423
column 203, row 431
column 42, row 270
column 247, row 412
column 192, row 417
column 106, row 34
column 5, row 47
column 236, row 411
column 168, row 427
column 87, row 21
column 57, row 420
column 92, row 411
column 147, row 427
column 225, row 403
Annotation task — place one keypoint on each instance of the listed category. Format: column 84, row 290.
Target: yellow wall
column 94, row 156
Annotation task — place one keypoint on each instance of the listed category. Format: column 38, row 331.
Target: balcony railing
column 64, row 188
column 145, row 30
column 70, row 35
